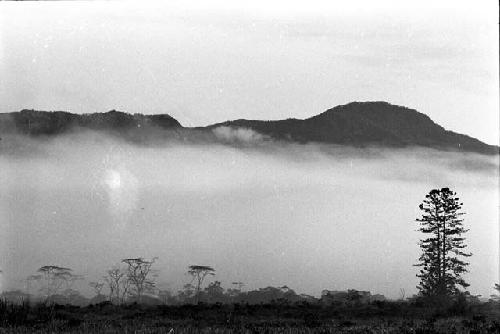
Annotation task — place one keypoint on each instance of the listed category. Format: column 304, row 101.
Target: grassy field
column 389, row 317
column 451, row 325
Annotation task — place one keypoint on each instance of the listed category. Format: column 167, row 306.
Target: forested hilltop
column 359, row 124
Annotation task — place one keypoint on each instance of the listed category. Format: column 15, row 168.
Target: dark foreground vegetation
column 276, row 317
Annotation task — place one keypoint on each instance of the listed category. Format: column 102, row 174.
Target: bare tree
column 97, row 286
column 199, row 273
column 118, row 284
column 139, row 274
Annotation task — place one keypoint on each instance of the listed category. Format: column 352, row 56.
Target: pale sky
column 206, row 62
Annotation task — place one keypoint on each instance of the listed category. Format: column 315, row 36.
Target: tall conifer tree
column 441, row 261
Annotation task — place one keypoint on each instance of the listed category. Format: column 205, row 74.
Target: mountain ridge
column 368, row 123
column 358, row 124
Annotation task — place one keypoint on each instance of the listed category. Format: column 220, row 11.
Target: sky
column 207, row 62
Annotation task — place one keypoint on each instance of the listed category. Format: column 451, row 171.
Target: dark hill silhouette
column 367, row 123
column 33, row 122
column 358, row 124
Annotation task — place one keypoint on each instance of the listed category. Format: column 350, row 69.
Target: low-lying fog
column 265, row 213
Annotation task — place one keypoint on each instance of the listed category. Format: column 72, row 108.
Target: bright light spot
column 122, row 189
column 113, row 179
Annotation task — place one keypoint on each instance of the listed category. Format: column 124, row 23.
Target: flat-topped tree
column 239, row 285
column 139, row 274
column 199, row 273
column 236, row 290
column 55, row 277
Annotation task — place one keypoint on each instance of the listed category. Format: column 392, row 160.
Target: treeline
column 441, row 268
column 38, row 123
column 136, row 281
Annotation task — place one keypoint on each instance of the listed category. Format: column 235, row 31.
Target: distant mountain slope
column 355, row 124
column 367, row 123
column 33, row 122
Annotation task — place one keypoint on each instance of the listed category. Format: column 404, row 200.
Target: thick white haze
column 265, row 213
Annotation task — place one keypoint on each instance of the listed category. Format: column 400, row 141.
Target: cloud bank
column 238, row 135
column 310, row 216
